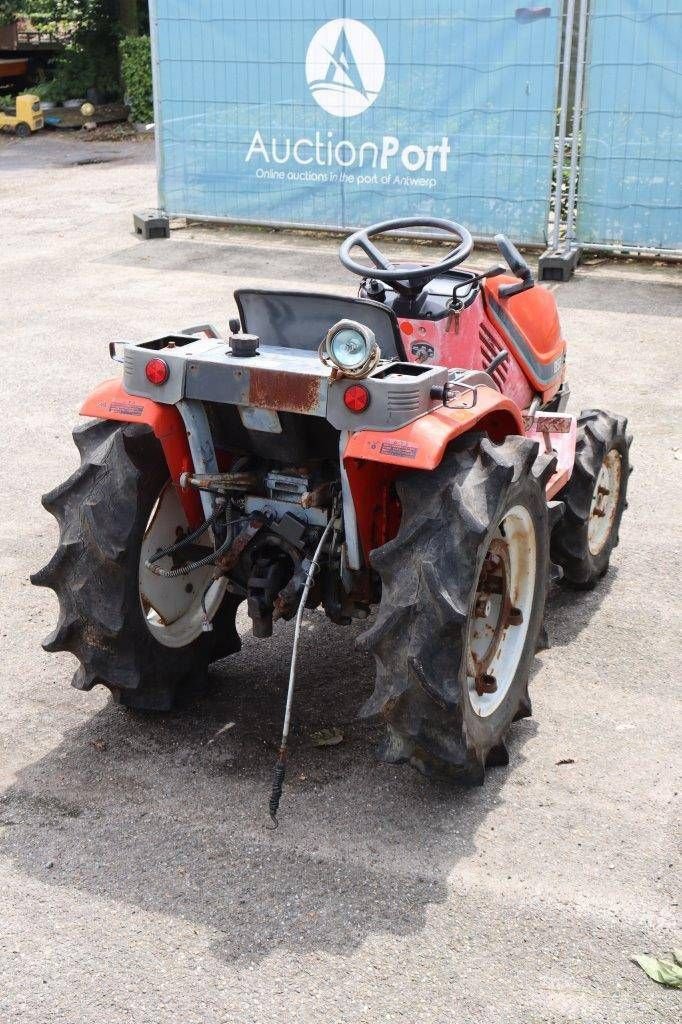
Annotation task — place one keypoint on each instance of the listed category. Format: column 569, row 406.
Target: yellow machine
column 26, row 118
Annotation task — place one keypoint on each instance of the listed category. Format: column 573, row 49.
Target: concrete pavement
column 138, row 881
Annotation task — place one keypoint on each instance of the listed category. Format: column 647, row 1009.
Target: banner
column 630, row 190
column 341, row 114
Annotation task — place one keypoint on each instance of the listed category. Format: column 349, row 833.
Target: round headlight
column 351, row 348
column 348, row 348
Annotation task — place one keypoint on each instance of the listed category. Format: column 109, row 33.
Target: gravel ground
column 138, row 882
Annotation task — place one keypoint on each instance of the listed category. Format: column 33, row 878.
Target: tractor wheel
column 595, row 499
column 132, row 631
column 463, row 595
column 22, row 130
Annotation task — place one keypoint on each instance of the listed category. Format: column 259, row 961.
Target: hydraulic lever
column 518, row 267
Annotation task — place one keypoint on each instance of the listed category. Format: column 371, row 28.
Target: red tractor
column 407, row 450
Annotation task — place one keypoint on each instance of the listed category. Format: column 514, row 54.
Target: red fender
column 109, row 401
column 373, row 459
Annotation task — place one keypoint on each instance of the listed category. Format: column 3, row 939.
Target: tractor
column 403, row 456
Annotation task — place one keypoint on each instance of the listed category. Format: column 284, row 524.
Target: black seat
column 301, row 319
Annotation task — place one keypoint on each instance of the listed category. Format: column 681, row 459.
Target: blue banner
column 345, row 113
column 631, row 154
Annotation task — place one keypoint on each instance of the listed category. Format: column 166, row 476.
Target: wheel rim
column 172, row 608
column 604, row 502
column 499, row 617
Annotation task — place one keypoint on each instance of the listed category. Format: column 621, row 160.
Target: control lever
column 494, row 271
column 518, row 267
column 454, row 307
column 500, row 358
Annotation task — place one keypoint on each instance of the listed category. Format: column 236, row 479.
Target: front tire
column 464, row 584
column 106, row 511
column 595, row 498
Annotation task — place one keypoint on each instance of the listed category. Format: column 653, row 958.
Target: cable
column 189, row 538
column 206, row 624
column 280, row 766
column 188, row 567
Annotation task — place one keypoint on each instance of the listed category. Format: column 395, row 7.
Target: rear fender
column 109, row 401
column 373, row 459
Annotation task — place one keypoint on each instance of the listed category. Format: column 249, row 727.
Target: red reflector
column 406, row 327
column 356, row 398
column 157, row 371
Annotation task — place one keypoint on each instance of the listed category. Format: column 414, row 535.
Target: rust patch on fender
column 287, row 392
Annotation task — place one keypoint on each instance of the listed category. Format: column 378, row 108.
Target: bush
column 136, row 71
column 89, row 61
column 8, row 12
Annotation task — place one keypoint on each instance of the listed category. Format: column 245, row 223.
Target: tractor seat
column 301, row 320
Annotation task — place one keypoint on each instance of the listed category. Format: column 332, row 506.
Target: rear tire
column 433, row 606
column 103, row 511
column 595, row 498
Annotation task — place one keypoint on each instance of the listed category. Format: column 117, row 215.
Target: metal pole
column 577, row 120
column 200, row 441
column 156, row 95
column 642, row 252
column 563, row 114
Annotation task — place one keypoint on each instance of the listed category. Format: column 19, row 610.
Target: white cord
column 297, row 629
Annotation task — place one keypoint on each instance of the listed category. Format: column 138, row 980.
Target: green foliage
column 136, row 71
column 86, row 63
column 90, row 60
column 43, row 90
column 8, row 11
column 40, row 12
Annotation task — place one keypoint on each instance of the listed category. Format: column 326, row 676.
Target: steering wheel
column 412, row 276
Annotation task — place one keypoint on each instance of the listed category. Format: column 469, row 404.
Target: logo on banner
column 345, row 67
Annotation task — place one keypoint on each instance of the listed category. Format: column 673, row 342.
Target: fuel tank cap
column 244, row 345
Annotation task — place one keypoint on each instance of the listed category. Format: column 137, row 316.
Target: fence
column 630, row 159
column 268, row 112
column 356, row 111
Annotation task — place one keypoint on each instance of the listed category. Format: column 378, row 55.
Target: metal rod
column 200, row 443
column 628, row 251
column 494, row 363
column 577, row 119
column 278, row 779
column 484, row 240
column 156, row 96
column 327, row 229
column 350, row 521
column 563, row 114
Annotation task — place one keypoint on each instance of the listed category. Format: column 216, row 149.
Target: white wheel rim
column 604, row 502
column 498, row 622
column 173, row 613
